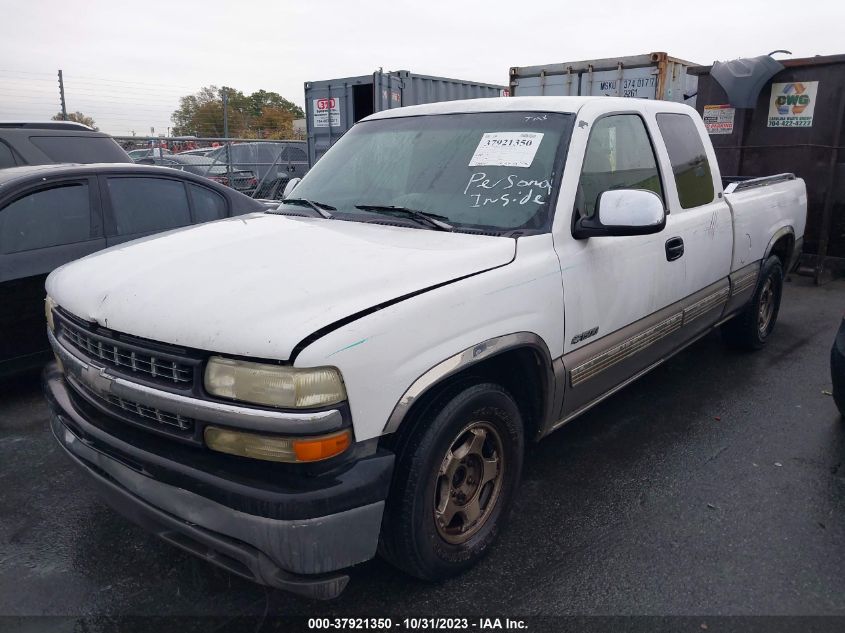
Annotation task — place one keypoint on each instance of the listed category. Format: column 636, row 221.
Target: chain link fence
column 260, row 169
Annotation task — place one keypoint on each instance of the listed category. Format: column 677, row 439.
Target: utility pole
column 225, row 113
column 226, row 130
column 62, row 96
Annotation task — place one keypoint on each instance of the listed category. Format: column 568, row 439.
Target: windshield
column 492, row 171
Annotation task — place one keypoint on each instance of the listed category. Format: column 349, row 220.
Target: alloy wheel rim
column 468, row 482
column 767, row 307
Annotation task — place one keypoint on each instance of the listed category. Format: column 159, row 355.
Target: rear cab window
column 693, row 176
column 80, row 149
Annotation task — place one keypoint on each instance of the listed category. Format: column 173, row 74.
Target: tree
column 261, row 114
column 261, row 99
column 275, row 123
column 77, row 117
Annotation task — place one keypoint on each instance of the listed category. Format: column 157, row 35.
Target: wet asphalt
column 714, row 485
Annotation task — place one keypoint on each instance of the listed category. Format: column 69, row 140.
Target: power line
column 24, row 72
column 98, row 79
column 108, row 91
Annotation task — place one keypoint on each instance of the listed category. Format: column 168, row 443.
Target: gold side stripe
column 705, row 305
column 624, row 350
column 744, row 282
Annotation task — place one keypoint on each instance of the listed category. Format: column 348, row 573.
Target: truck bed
column 769, row 206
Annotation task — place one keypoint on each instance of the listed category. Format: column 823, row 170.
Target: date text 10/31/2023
column 510, row 189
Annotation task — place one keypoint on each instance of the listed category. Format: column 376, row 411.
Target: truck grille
column 150, row 413
column 128, row 359
column 149, row 417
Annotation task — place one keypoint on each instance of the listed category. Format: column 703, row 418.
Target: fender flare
column 780, row 233
column 469, row 357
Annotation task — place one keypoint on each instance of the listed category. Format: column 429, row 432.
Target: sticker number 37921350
column 506, row 149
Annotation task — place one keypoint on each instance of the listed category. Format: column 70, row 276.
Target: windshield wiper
column 431, row 219
column 322, row 209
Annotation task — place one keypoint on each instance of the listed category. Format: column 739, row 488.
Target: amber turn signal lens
column 314, row 450
column 275, row 448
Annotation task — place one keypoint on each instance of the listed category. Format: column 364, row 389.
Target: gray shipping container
column 649, row 76
column 335, row 105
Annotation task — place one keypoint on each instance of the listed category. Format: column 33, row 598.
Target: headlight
column 274, row 385
column 49, row 304
column 274, row 448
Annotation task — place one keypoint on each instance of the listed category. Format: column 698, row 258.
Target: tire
column 752, row 327
column 464, row 460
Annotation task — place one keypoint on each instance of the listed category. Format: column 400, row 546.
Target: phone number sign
column 327, row 112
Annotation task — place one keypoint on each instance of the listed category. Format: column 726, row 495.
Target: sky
column 127, row 63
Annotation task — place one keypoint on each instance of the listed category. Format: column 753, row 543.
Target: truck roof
column 540, row 104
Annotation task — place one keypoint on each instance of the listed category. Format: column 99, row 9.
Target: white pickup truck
column 287, row 393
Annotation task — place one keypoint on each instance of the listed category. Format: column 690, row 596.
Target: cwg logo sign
column 326, row 104
column 792, row 104
column 793, row 99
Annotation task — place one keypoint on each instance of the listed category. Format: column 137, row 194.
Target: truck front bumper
column 301, row 555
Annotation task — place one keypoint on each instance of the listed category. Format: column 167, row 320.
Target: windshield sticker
column 506, row 149
column 511, row 189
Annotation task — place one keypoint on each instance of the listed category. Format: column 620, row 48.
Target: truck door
column 620, row 292
column 702, row 225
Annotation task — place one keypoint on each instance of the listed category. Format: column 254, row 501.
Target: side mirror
column 292, row 183
column 623, row 212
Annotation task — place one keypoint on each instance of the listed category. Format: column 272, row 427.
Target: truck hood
column 257, row 285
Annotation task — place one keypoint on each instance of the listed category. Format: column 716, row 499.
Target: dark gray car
column 56, row 142
column 53, row 214
column 241, row 180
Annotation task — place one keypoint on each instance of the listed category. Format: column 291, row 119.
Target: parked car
column 200, row 151
column 274, row 163
column 56, row 142
column 409, row 317
column 241, row 180
column 50, row 215
column 148, row 152
column 837, row 368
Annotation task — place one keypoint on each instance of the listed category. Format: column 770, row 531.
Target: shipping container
column 649, row 76
column 795, row 125
column 335, row 105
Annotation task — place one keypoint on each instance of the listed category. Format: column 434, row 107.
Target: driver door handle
column 674, row 248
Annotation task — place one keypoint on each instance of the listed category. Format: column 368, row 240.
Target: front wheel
column 454, row 480
column 751, row 328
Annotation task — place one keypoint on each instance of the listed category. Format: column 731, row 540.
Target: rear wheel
column 751, row 328
column 454, row 480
